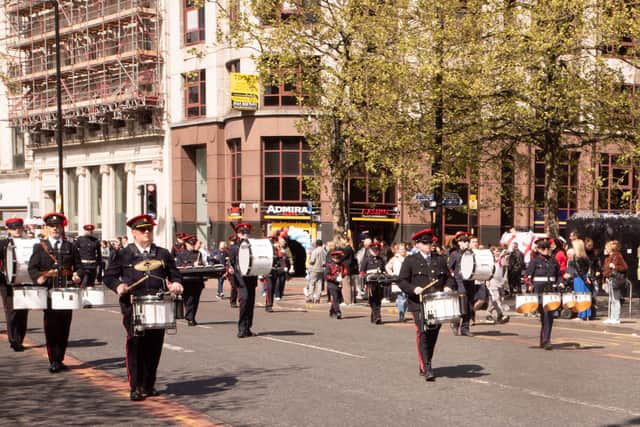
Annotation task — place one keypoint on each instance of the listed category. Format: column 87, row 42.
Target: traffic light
column 151, row 200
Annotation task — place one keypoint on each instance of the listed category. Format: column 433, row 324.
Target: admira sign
column 285, row 210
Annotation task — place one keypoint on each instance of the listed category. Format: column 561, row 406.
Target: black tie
column 57, row 245
column 145, row 254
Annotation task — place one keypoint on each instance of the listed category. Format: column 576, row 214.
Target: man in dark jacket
column 88, row 247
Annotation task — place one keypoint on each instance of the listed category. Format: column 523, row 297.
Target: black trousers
column 375, row 292
column 279, row 278
column 426, row 339
column 233, row 296
column 90, row 275
column 546, row 324
column 247, row 304
column 468, row 287
column 57, row 324
column 142, row 354
column 191, row 297
column 16, row 319
column 270, row 291
column 335, row 294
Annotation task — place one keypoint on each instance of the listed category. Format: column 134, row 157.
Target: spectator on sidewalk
column 578, row 272
column 615, row 274
column 515, row 266
column 348, row 283
column 317, row 261
column 393, row 269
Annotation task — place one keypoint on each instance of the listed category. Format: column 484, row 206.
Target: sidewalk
column 294, row 298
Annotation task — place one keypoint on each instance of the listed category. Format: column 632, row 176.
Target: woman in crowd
column 578, row 272
column 393, row 268
column 614, row 273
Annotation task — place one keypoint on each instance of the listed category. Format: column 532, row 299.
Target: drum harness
column 426, row 325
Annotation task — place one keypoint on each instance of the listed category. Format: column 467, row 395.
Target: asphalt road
column 305, row 369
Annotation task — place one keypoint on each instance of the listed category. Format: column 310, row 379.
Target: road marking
column 556, row 397
column 176, row 348
column 537, row 326
column 164, row 408
column 314, row 347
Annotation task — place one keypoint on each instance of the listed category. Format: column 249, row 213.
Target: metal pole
column 59, row 127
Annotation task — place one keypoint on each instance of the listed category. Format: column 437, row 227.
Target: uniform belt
column 88, row 261
column 544, row 279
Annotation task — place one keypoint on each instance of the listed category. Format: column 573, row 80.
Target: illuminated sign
column 288, row 210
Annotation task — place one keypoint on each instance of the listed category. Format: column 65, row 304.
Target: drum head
column 9, row 269
column 467, row 264
column 244, row 257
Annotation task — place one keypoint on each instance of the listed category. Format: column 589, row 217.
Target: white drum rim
column 473, row 269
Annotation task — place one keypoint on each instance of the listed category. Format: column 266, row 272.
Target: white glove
column 176, row 288
column 339, row 279
column 418, row 290
column 291, row 270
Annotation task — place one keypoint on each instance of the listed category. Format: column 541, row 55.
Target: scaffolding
column 109, row 56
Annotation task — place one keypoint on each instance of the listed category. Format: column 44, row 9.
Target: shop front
column 378, row 222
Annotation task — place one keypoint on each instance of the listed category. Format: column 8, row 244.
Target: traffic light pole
column 56, row 20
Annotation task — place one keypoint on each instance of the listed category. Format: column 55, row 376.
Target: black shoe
column 234, row 305
column 466, row 333
column 136, row 396
column 429, row 376
column 268, row 309
column 548, row 346
column 17, row 347
column 378, row 322
column 339, row 316
column 454, row 329
column 152, row 392
column 192, row 323
column 55, row 367
column 504, row 319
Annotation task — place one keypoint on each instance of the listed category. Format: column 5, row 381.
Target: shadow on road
column 89, row 342
column 355, row 317
column 460, row 371
column 198, row 387
column 630, row 422
column 105, row 364
column 575, row 346
column 222, row 322
column 285, row 333
column 495, row 334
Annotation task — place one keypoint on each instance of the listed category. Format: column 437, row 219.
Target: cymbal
column 148, row 265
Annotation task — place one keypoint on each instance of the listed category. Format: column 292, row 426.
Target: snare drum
column 255, row 257
column 441, row 307
column 477, row 264
column 583, row 301
column 569, row 300
column 154, row 312
column 29, row 297
column 526, row 303
column 551, row 301
column 93, row 296
column 16, row 262
column 66, row 298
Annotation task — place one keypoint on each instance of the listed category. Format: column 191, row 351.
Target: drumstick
column 136, row 283
column 430, row 285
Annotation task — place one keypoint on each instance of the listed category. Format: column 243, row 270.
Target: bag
column 618, row 281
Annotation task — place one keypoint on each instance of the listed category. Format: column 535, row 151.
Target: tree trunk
column 551, row 186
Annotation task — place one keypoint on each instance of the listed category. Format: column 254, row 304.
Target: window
column 236, row 169
column 195, row 94
column 17, row 137
column 233, row 66
column 193, row 23
column 286, row 161
column 619, row 184
column 364, row 191
column 270, row 12
column 568, row 182
column 290, row 86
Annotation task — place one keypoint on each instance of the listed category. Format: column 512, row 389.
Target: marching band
column 155, row 287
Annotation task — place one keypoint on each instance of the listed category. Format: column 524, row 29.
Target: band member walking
column 193, row 284
column 334, row 272
column 16, row 319
column 246, row 284
column 88, row 247
column 543, row 274
column 142, row 351
column 417, row 271
column 467, row 287
column 373, row 263
column 54, row 263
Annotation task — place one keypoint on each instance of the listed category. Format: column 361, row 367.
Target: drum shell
column 551, row 301
column 29, row 298
column 255, row 257
column 477, row 264
column 569, row 300
column 440, row 307
column 583, row 301
column 93, row 296
column 154, row 312
column 526, row 303
column 66, row 298
column 17, row 268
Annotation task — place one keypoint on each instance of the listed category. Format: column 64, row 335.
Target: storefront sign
column 374, row 214
column 288, row 211
column 235, row 212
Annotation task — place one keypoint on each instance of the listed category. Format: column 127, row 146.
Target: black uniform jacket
column 187, row 258
column 371, row 262
column 543, row 272
column 416, row 271
column 45, row 258
column 122, row 270
column 89, row 249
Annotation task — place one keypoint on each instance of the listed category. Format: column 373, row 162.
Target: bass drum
column 477, row 264
column 255, row 257
column 16, row 262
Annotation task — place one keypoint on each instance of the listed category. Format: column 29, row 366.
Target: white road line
column 314, row 347
column 557, row 398
column 176, row 348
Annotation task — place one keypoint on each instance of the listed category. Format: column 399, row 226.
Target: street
column 305, row 369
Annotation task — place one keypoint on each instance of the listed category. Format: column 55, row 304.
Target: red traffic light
column 151, row 188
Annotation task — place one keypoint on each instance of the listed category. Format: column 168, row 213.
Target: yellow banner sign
column 244, row 91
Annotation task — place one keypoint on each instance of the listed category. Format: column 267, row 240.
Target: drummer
column 54, row 263
column 418, row 270
column 142, row 352
column 374, row 263
column 88, row 247
column 246, row 284
column 16, row 319
column 193, row 284
column 467, row 287
column 543, row 275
